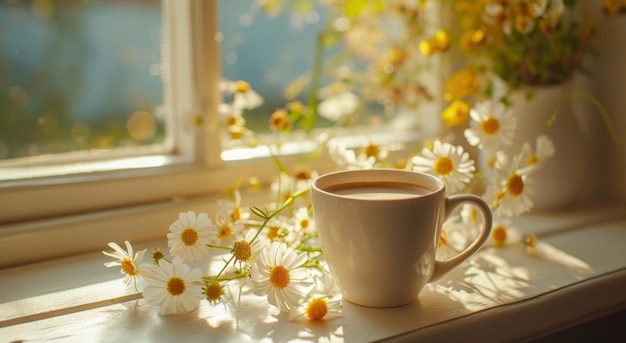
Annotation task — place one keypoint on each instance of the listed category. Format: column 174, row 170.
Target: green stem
column 218, row 279
column 309, row 119
column 286, row 204
column 223, row 268
column 603, row 112
column 219, row 247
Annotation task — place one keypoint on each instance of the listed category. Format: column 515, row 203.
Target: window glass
column 269, row 50
column 347, row 66
column 79, row 75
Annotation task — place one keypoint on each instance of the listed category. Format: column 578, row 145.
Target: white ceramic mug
column 379, row 230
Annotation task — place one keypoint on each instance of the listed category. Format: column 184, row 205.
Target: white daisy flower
column 233, row 120
column 304, row 230
column 507, row 191
column 322, row 302
column 492, row 126
column 544, row 149
column 347, row 159
column 450, row 163
column 286, row 185
column 303, row 221
column 375, row 150
column 316, row 308
column 337, row 102
column 281, row 229
column 503, row 233
column 227, row 229
column 128, row 262
column 232, row 208
column 244, row 97
column 175, row 287
column 190, row 235
column 277, row 274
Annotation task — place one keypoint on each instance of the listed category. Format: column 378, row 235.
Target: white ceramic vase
column 562, row 178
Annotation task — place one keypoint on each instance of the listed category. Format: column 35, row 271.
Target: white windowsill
column 501, row 294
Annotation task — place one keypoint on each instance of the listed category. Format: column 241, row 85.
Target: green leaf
column 259, row 212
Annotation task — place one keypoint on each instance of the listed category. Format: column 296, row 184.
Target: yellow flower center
column 443, row 238
column 490, row 126
column 128, row 267
column 533, row 159
column 272, row 233
column 197, row 120
column 515, row 185
column 224, row 232
column 158, row 254
column 304, row 223
column 242, row 86
column 474, row 215
column 176, row 286
column 279, row 120
column 499, row 235
column 317, row 308
column 189, row 237
column 236, row 215
column 232, row 120
column 371, row 150
column 214, row 292
column 302, row 174
column 443, row 165
column 279, row 277
column 242, row 250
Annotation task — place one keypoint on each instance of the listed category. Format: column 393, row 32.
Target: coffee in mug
column 378, row 190
column 379, row 231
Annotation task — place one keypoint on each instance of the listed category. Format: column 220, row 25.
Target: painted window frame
column 73, row 213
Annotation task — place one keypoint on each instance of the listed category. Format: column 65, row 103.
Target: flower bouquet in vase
column 520, row 57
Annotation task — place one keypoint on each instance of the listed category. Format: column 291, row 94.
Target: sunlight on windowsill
column 15, row 173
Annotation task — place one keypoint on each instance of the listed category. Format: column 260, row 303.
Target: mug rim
column 435, row 185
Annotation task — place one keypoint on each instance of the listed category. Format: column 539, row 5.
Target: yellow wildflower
column 456, row 114
column 462, row 83
column 472, row 39
column 440, row 42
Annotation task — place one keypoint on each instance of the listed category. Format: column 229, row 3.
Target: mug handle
column 452, row 202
